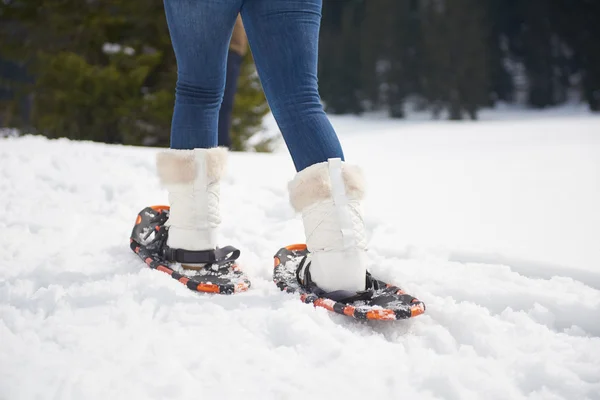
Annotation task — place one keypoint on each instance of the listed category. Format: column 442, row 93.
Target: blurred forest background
column 105, row 70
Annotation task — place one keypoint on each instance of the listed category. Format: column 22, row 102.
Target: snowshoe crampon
column 219, row 273
column 381, row 301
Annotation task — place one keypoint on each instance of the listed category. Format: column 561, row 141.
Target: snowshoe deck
column 148, row 239
column 387, row 302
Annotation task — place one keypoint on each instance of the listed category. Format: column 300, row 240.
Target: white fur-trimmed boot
column 192, row 178
column 329, row 196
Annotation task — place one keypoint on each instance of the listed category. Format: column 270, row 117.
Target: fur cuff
column 313, row 184
column 182, row 166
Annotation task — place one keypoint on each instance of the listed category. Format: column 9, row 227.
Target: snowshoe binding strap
column 219, row 256
column 341, row 296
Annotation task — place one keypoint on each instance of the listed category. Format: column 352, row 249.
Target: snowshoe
column 379, row 300
column 219, row 274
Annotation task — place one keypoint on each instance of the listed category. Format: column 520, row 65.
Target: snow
column 495, row 225
column 114, row 48
column 6, row 132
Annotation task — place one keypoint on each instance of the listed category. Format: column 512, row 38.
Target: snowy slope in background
column 495, row 225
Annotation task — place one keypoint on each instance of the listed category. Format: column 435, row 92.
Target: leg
column 284, row 35
column 284, row 38
column 192, row 169
column 200, row 31
column 234, row 64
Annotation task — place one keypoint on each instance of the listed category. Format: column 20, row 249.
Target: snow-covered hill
column 495, row 225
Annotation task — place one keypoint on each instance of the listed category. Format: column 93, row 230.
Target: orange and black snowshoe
column 219, row 274
column 379, row 300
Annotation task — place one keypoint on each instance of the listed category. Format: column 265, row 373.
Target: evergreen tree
column 249, row 108
column 455, row 76
column 406, row 55
column 579, row 27
column 391, row 51
column 340, row 68
column 104, row 70
column 503, row 23
column 540, row 54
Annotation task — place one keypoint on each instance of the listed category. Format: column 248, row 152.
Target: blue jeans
column 234, row 65
column 283, row 37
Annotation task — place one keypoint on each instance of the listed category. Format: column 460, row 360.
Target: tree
column 578, row 26
column 503, row 24
column 541, row 55
column 249, row 109
column 104, row 70
column 340, row 67
column 455, row 74
column 391, row 49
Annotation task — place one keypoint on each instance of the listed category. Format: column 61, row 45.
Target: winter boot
column 192, row 179
column 329, row 195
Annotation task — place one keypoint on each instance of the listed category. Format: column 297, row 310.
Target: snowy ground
column 495, row 225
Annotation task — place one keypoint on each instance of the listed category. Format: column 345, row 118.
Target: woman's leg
column 234, row 66
column 284, row 38
column 192, row 169
column 200, row 32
